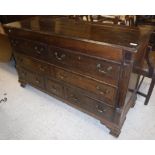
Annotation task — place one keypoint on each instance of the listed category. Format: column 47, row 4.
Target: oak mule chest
column 88, row 66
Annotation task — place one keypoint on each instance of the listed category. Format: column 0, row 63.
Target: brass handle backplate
column 100, row 109
column 59, row 57
column 106, row 71
column 42, row 68
column 38, row 49
column 102, row 90
column 37, row 81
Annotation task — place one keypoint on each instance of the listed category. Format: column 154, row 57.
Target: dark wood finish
column 32, row 64
column 106, row 19
column 54, row 87
column 75, row 61
column 102, row 19
column 145, row 20
column 143, row 69
column 10, row 18
column 88, row 66
column 101, row 91
column 79, row 17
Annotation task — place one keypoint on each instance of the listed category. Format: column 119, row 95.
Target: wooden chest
column 88, row 66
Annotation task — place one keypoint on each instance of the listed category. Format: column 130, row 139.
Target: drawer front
column 32, row 78
column 36, row 80
column 96, row 68
column 54, row 87
column 100, row 91
column 33, row 64
column 29, row 47
column 75, row 97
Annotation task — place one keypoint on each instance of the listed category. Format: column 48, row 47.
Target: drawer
column 76, row 97
column 32, row 78
column 93, row 67
column 30, row 47
column 33, row 64
column 35, row 80
column 54, row 87
column 97, row 89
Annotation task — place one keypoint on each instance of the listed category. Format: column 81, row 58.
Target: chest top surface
column 113, row 35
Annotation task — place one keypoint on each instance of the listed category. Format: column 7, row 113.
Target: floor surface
column 31, row 114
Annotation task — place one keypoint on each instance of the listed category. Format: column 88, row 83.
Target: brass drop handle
column 37, row 50
column 37, row 81
column 61, row 76
column 14, row 42
column 9, row 30
column 100, row 109
column 102, row 91
column 61, row 57
column 42, row 68
column 74, row 98
column 53, row 89
column 109, row 69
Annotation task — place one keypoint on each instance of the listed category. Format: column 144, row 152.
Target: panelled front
column 100, row 90
column 96, row 68
column 90, row 66
column 30, row 47
column 49, row 67
column 71, row 94
column 78, row 99
column 86, row 69
column 33, row 64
